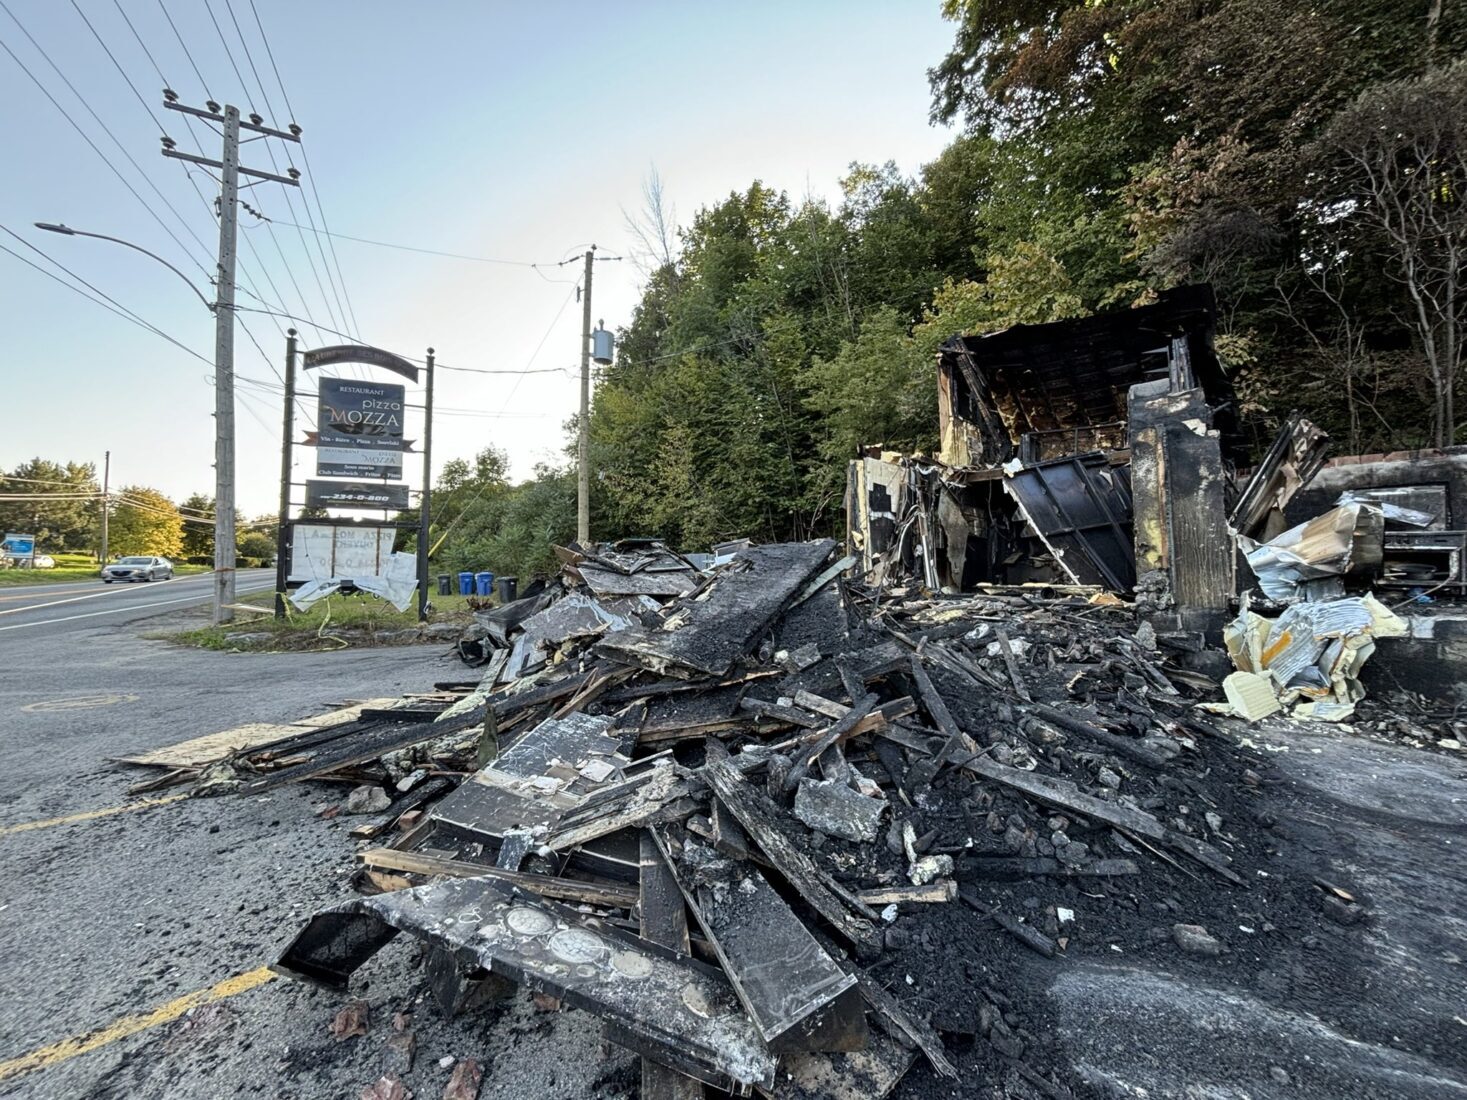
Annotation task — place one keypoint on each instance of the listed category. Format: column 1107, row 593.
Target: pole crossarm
column 243, row 171
column 244, row 124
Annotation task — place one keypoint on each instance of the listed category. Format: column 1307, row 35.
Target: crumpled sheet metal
column 1310, row 657
column 669, row 1002
column 1329, row 545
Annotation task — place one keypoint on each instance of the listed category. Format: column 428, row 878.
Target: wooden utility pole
column 287, row 433
column 425, row 502
column 224, row 548
column 583, row 439
column 229, row 173
column 106, row 478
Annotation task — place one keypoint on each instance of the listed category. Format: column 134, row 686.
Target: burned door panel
column 1081, row 508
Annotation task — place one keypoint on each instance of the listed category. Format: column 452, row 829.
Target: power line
column 515, row 388
column 310, row 260
column 436, row 252
column 149, row 111
column 115, row 306
column 344, row 309
column 202, row 82
column 436, row 363
column 36, row 480
column 305, row 159
column 95, row 148
column 154, row 61
column 188, row 174
column 105, row 49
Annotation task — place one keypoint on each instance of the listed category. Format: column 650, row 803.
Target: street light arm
column 70, row 232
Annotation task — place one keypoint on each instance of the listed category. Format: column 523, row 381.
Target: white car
column 43, row 561
column 137, row 569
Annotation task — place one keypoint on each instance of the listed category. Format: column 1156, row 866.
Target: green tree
column 65, row 522
column 257, row 545
column 198, row 538
column 144, row 521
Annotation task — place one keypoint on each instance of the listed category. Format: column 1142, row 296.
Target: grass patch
column 337, row 622
column 74, row 567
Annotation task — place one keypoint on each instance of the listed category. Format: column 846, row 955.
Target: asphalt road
column 79, row 605
column 108, row 920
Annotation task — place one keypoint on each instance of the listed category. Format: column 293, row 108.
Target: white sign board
column 321, row 552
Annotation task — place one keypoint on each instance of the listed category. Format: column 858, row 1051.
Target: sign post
column 424, row 501
column 359, row 435
column 282, row 530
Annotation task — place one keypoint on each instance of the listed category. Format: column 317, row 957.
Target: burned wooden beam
column 561, row 889
column 1006, row 651
column 811, row 747
column 419, row 796
column 905, row 1029
column 664, row 920
column 1054, row 791
column 760, row 818
column 941, row 891
column 1122, row 745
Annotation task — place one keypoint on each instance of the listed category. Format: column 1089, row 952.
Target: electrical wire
column 551, row 328
column 439, row 252
column 339, row 293
column 243, row 272
column 249, row 98
column 306, row 160
column 34, row 480
column 436, row 363
column 115, row 306
column 202, row 82
column 95, row 148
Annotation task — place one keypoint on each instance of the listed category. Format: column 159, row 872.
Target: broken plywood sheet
column 795, row 994
column 197, row 752
column 666, row 1003
column 649, row 582
column 548, row 771
column 708, row 634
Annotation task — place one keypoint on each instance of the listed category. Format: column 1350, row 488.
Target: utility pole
column 282, row 531
column 229, row 173
column 583, row 440
column 224, row 538
column 106, row 478
column 425, row 502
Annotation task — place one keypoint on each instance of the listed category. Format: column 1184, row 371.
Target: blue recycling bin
column 465, row 584
column 485, row 582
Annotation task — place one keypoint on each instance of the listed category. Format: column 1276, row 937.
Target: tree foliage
column 1306, row 159
column 144, row 521
column 58, row 523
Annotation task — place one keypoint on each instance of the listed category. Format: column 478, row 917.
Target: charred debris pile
column 796, row 821
column 780, row 831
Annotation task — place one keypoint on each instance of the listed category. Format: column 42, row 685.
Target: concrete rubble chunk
column 1196, row 940
column 832, row 807
column 367, row 799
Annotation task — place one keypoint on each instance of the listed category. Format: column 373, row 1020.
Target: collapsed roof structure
column 1106, row 451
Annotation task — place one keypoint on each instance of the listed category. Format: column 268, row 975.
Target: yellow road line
column 66, row 1049
column 146, row 803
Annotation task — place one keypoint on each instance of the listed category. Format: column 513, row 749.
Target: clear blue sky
column 509, row 130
